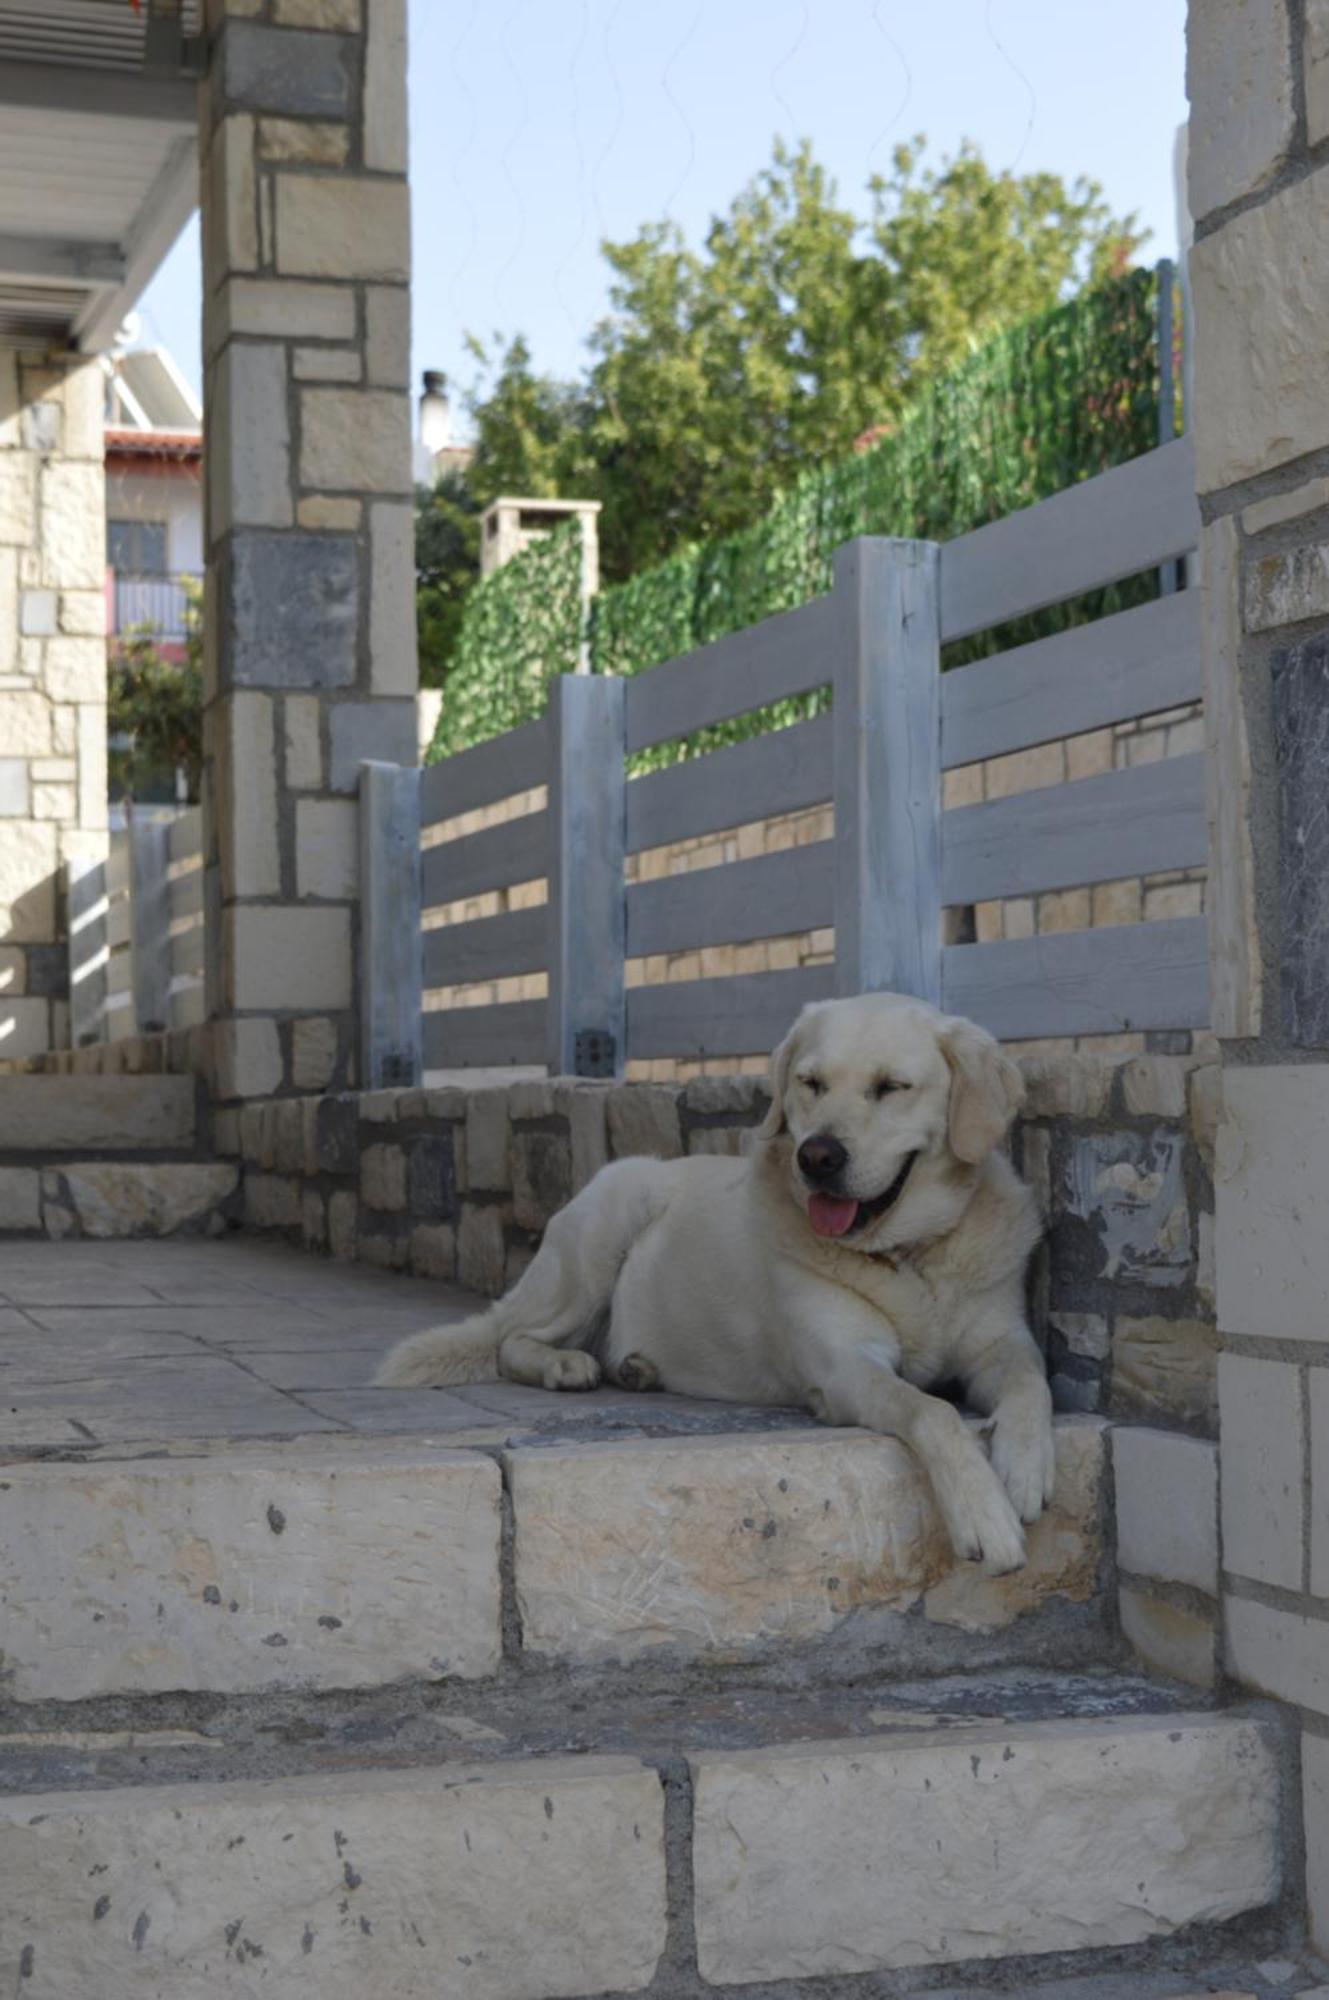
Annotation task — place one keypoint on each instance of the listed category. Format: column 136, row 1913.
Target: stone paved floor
column 140, row 1343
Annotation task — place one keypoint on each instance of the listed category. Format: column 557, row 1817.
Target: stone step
column 81, row 1115
column 342, row 1561
column 105, row 1199
column 586, row 1848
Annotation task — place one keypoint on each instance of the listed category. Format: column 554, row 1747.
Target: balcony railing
column 166, row 606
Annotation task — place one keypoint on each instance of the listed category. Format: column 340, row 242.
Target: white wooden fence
column 895, row 860
column 136, row 929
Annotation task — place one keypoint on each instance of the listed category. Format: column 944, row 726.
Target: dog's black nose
column 821, row 1158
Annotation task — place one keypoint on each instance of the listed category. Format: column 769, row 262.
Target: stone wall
column 52, row 677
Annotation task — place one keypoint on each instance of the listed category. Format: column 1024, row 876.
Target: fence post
column 87, row 902
column 586, row 1020
column 391, row 940
column 887, row 730
column 150, row 918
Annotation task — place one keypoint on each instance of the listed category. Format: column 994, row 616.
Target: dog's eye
column 885, row 1085
column 813, row 1083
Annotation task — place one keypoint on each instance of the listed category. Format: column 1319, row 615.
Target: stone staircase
column 500, row 1696
column 108, row 1156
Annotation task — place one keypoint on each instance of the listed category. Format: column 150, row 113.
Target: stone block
column 73, row 524
column 37, row 613
column 302, row 74
column 231, row 216
column 25, row 724
column 108, row 1199
column 1260, row 1410
column 76, row 1114
column 1285, row 588
column 1165, row 1371
column 585, row 1107
column 1261, row 305
column 1236, row 972
column 821, row 1858
column 313, row 1052
column 18, row 499
column 303, row 142
column 449, row 1880
column 313, row 1220
column 358, row 440
column 1066, row 1086
column 1120, row 1209
column 249, row 1060
column 277, row 306
column 27, row 874
column 82, row 613
column 643, row 1118
column 388, row 336
column 1315, row 1806
column 1281, row 508
column 480, row 1250
column 339, row 15
column 272, row 1201
column 1085, row 1334
column 280, row 957
column 431, row 1179
column 488, row 1136
column 382, row 731
column 1280, row 1652
column 1166, row 1490
column 293, row 603
column 383, row 1178
column 393, row 667
column 434, row 1250
column 15, row 790
column 1239, row 82
column 342, row 1218
column 249, row 466
column 343, row 227
column 1300, row 680
column 1168, row 1638
column 1155, row 1086
column 384, row 104
column 302, row 718
column 75, row 670
column 1271, row 1184
column 337, row 1137
column 331, row 511
column 326, row 850
column 246, row 779
column 541, row 1177
column 20, row 1199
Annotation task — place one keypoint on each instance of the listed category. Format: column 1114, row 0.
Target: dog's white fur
column 704, row 1276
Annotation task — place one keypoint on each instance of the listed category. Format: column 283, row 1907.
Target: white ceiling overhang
column 98, row 159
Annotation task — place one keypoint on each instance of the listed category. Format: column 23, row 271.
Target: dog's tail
column 560, row 1296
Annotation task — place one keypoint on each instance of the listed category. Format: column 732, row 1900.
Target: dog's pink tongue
column 831, row 1214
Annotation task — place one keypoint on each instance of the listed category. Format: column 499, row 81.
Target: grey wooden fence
column 136, row 928
column 895, row 859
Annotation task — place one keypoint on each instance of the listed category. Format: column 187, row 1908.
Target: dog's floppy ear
column 987, row 1090
column 774, row 1122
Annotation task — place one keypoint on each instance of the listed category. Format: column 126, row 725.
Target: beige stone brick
column 488, row 1136
column 1067, row 1085
column 313, row 1051
column 329, row 510
column 1089, row 755
column 58, row 802
column 233, row 211
column 385, row 116
column 343, row 227
column 355, row 440
column 962, row 787
column 10, row 401
column 1165, row 1370
column 434, row 1250
column 75, row 670
column 302, row 721
column 92, row 775
column 1271, row 1183
column 272, row 1201
column 342, row 1216
column 277, row 306
column 1026, row 770
column 13, row 971
column 73, row 525
column 388, row 336
column 342, row 16
column 249, row 1062
column 20, row 1199
column 84, row 400
column 1019, row 917
column 1167, row 1506
column 392, row 616
column 1287, row 587
column 83, row 613
column 383, row 1178
column 25, row 726
column 1260, row 1406
column 1261, row 293
column 249, row 462
column 303, row 141
column 1063, row 910
column 1239, row 81
column 284, row 956
column 1174, row 899
column 1116, row 903
column 18, row 498
column 1168, row 1638
column 1308, row 498
column 1315, row 1806
column 327, row 861
column 643, row 1118
column 1155, row 1086
column 27, row 877
column 327, row 364
column 247, row 784
column 481, row 1261
column 1281, row 1652
column 852, row 1829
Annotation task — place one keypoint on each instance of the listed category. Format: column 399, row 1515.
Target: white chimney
column 435, row 413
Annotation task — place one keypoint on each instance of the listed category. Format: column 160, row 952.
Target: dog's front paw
column 980, row 1519
column 1024, row 1456
column 573, row 1369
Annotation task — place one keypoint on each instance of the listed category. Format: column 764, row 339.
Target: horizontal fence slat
column 1133, row 663
column 487, row 948
column 1102, row 829
column 787, row 771
column 485, row 1037
column 517, row 761
column 769, row 896
column 514, row 851
column 1128, row 519
column 743, row 1016
column 1122, row 979
column 784, row 655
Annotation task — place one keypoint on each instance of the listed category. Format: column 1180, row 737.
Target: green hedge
column 1055, row 400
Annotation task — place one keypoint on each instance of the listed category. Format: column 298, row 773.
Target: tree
column 720, row 373
column 447, row 562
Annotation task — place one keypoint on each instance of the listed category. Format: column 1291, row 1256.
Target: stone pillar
column 1259, row 187
column 52, row 677
column 309, row 608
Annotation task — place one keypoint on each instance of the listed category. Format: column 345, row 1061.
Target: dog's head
column 881, row 1109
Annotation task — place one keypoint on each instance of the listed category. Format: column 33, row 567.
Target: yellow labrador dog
column 871, row 1244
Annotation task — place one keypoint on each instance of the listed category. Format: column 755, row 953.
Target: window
column 136, row 548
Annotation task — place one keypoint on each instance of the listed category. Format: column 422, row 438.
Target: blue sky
column 539, row 128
